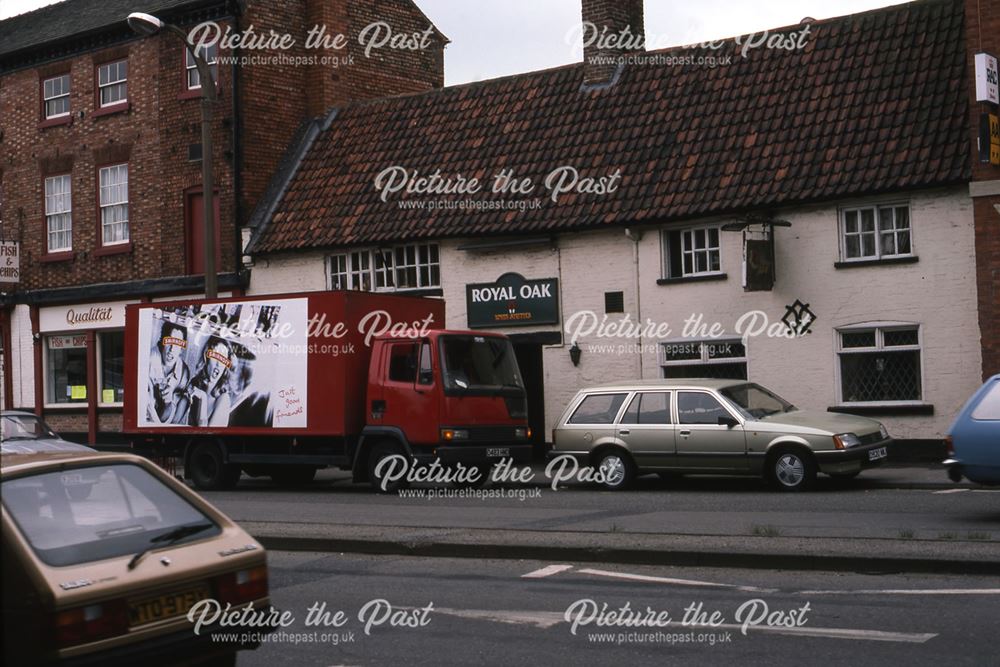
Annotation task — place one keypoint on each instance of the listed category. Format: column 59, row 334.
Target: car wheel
column 209, row 471
column 294, row 475
column 380, row 452
column 616, row 470
column 792, row 470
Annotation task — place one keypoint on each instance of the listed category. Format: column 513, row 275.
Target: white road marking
column 946, row 491
column 679, row 582
column 904, row 591
column 548, row 619
column 985, row 490
column 547, row 571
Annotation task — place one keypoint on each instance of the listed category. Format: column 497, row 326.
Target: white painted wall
column 938, row 292
column 22, row 359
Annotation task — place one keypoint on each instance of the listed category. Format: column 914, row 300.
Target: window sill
column 194, row 93
column 119, row 249
column 908, row 259
column 80, row 406
column 885, row 409
column 111, row 109
column 55, row 122
column 692, row 279
column 418, row 291
column 64, row 256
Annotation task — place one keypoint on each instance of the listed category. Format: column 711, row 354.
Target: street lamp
column 147, row 24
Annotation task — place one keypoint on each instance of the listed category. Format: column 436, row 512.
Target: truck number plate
column 876, row 454
column 497, row 452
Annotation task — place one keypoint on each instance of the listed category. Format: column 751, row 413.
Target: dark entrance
column 528, row 350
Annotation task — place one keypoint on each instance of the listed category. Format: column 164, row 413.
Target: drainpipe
column 237, row 130
column 635, row 236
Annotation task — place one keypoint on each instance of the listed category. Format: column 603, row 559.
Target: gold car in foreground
column 721, row 427
column 105, row 554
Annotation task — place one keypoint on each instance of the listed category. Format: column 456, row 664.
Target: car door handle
column 624, row 431
column 685, row 433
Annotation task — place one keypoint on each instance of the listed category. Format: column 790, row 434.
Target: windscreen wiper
column 169, row 538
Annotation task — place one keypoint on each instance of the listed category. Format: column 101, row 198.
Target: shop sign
column 10, row 262
column 84, row 316
column 67, row 342
column 512, row 301
column 986, row 79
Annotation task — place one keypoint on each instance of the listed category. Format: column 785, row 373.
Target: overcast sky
column 491, row 39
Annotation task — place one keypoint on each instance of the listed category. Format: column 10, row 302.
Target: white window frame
column 58, row 208
column 46, row 364
column 379, row 269
column 876, row 208
column 704, row 358
column 687, row 233
column 191, row 68
column 63, row 94
column 880, row 329
column 106, row 67
column 116, row 204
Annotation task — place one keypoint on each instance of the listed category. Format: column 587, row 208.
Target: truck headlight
column 450, row 434
column 846, row 440
column 521, row 433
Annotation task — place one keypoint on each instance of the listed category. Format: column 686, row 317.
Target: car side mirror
column 727, row 421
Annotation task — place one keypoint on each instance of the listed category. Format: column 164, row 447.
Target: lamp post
column 147, row 24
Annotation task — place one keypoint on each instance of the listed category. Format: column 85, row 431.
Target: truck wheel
column 381, row 451
column 209, row 471
column 294, row 475
column 791, row 470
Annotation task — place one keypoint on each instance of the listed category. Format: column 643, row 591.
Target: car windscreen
column 23, row 427
column 756, row 401
column 84, row 514
column 479, row 362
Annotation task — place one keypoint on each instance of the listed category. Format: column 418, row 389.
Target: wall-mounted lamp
column 574, row 354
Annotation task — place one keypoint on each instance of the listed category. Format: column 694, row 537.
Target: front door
column 701, row 441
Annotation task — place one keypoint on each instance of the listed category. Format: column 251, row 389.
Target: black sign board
column 512, row 301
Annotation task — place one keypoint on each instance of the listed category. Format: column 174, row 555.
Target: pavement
column 323, row 527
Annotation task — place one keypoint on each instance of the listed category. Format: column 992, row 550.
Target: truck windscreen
column 477, row 363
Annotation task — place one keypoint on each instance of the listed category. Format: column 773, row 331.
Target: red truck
column 283, row 385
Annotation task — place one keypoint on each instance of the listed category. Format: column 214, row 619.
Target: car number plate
column 164, row 606
column 497, row 452
column 876, row 454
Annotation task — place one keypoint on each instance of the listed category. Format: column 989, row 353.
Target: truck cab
column 456, row 396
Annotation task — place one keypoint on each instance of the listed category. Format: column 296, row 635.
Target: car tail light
column 81, row 625
column 242, row 586
column 949, row 446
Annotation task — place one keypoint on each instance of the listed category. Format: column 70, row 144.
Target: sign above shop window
column 512, row 301
column 986, row 79
column 10, row 262
column 83, row 317
column 67, row 342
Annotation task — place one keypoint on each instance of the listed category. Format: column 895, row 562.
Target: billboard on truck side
column 229, row 364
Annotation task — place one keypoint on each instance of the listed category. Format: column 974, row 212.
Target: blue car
column 974, row 437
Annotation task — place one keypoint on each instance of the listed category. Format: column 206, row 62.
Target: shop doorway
column 528, row 350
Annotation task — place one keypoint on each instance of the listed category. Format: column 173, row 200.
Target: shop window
column 112, row 367
column 691, row 252
column 717, row 358
column 66, row 369
column 880, row 364
column 875, row 232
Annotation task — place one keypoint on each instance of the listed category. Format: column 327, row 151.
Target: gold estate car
column 727, row 427
column 104, row 555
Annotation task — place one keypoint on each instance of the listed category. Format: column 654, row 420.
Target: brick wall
column 982, row 27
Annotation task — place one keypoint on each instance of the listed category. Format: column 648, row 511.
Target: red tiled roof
column 875, row 102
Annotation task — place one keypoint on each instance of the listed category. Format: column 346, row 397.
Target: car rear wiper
column 169, row 538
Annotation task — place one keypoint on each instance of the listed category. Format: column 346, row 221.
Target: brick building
column 844, row 175
column 100, row 167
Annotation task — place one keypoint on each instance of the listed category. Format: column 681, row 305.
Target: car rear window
column 598, row 409
column 989, row 405
column 84, row 514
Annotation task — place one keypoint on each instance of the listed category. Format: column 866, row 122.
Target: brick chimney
column 611, row 29
column 982, row 35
